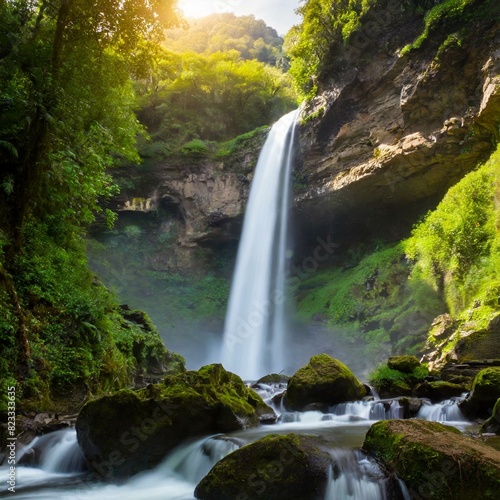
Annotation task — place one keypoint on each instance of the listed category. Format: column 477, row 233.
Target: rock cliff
column 390, row 129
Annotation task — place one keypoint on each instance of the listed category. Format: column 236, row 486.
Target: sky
column 277, row 13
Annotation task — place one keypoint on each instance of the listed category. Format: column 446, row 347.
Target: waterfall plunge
column 255, row 326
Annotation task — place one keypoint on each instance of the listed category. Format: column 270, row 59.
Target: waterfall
column 255, row 326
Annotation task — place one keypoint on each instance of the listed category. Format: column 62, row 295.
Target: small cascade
column 348, row 412
column 254, row 331
column 54, row 452
column 355, row 476
column 193, row 461
column 446, row 411
column 369, row 410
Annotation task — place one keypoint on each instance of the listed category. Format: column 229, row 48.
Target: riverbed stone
column 435, row 461
column 131, row 431
column 484, row 394
column 291, row 466
column 325, row 381
column 405, row 364
column 439, row 390
column 492, row 425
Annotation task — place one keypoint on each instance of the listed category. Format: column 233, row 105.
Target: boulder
column 435, row 461
column 290, row 466
column 323, row 380
column 131, row 431
column 439, row 390
column 405, row 364
column 492, row 425
column 484, row 394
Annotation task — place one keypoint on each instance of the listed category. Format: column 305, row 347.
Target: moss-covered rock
column 435, row 461
column 287, row 466
column 405, row 364
column 323, row 380
column 485, row 393
column 131, row 431
column 493, row 423
column 439, row 390
column 392, row 383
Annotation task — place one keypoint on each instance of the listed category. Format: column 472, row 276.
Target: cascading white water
column 55, row 452
column 446, row 411
column 355, row 476
column 255, row 326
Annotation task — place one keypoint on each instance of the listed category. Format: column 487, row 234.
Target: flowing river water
column 57, row 469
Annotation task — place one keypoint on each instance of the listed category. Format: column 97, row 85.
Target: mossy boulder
column 405, row 364
column 439, row 390
column 290, row 466
column 392, row 383
column 435, row 461
column 484, row 394
column 131, row 431
column 492, row 425
column 323, row 380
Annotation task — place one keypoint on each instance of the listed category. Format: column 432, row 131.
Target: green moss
column 323, row 380
column 389, row 382
column 448, row 15
column 288, row 466
column 435, row 461
column 405, row 364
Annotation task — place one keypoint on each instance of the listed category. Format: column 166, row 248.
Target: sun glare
column 200, row 8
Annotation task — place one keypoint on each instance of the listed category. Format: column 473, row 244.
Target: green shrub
column 196, row 147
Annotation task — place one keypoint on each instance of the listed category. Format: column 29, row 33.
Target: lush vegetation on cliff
column 391, row 294
column 333, row 31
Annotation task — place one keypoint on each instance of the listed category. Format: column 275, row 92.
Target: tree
column 66, row 114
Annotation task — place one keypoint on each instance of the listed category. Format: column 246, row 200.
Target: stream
column 57, row 468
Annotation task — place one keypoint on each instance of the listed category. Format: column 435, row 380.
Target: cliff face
column 401, row 129
column 387, row 133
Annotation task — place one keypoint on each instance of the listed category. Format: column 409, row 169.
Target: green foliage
column 457, row 247
column 229, row 147
column 368, row 296
column 325, row 24
column 250, row 37
column 383, row 374
column 445, row 12
column 192, row 97
column 196, row 147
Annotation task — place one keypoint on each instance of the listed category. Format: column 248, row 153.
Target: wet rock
column 484, row 394
column 404, row 364
column 131, row 431
column 439, row 390
column 323, row 381
column 492, row 425
column 410, row 406
column 290, row 466
column 435, row 461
